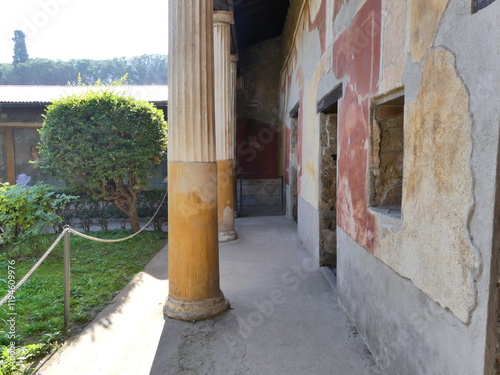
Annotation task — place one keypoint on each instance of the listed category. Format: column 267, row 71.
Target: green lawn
column 98, row 272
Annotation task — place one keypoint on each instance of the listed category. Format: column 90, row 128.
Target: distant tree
column 20, row 51
column 148, row 70
column 141, row 70
column 105, row 143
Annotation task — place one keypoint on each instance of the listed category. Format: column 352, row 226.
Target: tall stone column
column 234, row 77
column 193, row 249
column 224, row 124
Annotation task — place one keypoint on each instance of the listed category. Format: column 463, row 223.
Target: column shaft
column 224, row 126
column 234, row 77
column 193, row 259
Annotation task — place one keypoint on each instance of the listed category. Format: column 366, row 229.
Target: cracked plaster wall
column 447, row 60
column 369, row 47
column 433, row 247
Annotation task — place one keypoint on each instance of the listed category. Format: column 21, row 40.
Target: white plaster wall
column 308, row 227
column 310, row 146
column 309, row 56
column 406, row 331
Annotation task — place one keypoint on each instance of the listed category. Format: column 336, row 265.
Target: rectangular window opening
column 387, row 153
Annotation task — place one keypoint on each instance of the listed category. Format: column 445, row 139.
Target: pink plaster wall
column 356, row 54
column 355, row 58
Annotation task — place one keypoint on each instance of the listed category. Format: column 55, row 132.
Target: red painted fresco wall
column 357, row 56
column 257, row 149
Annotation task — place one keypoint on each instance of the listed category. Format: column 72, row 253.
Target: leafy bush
column 106, row 143
column 26, row 212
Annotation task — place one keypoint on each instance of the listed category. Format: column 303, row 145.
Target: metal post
column 67, row 253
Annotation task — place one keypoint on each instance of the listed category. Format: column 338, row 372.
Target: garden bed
column 33, row 321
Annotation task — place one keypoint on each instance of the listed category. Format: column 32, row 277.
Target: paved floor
column 284, row 319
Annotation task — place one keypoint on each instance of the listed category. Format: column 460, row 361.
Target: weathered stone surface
column 193, row 259
column 223, row 98
column 388, row 303
column 388, row 177
column 329, row 242
column 353, row 215
column 425, row 17
column 258, row 96
column 434, row 248
column 193, row 256
column 225, row 200
column 393, row 45
column 406, row 331
column 328, row 194
column 191, row 83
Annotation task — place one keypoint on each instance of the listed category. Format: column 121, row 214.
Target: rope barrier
column 33, row 269
column 66, row 229
column 119, row 239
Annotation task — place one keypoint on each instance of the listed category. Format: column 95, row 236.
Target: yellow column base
column 193, row 249
column 225, row 199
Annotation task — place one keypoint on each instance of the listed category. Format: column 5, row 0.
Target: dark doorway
column 328, row 108
column 328, row 192
column 260, row 188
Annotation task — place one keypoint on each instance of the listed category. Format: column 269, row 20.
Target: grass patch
column 98, row 272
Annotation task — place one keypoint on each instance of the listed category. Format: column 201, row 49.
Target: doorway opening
column 294, row 163
column 328, row 109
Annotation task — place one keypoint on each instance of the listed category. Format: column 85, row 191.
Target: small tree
column 20, row 51
column 104, row 142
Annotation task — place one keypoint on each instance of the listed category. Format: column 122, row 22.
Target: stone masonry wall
column 388, row 177
column 328, row 204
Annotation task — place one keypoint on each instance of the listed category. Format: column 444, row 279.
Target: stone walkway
column 284, row 319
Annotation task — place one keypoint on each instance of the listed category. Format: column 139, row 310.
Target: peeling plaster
column 317, row 20
column 434, row 248
column 357, row 49
column 356, row 55
column 425, row 17
column 352, row 213
column 442, row 243
column 394, row 41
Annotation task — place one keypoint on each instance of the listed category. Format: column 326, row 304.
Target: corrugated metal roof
column 47, row 94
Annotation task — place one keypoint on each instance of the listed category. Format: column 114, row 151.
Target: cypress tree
column 20, row 51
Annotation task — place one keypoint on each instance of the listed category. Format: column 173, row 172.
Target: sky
column 92, row 29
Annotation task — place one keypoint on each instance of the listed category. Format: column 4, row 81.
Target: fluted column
column 234, row 77
column 224, row 124
column 193, row 249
